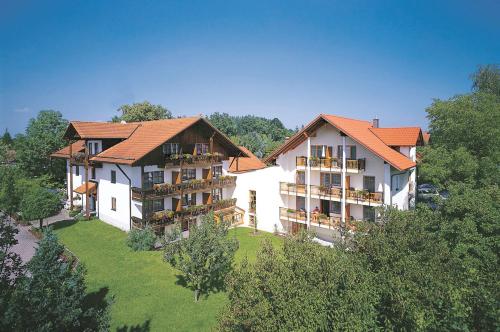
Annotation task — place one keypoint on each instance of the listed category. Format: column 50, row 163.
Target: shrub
column 141, row 239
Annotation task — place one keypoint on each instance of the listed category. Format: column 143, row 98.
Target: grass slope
column 144, row 287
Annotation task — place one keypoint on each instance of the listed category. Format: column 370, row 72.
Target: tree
column 52, row 297
column 44, row 135
column 10, row 269
column 301, row 286
column 205, row 257
column 6, row 138
column 487, row 79
column 40, row 203
column 9, row 200
column 144, row 111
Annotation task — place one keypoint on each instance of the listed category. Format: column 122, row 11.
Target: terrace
column 331, row 164
column 196, row 185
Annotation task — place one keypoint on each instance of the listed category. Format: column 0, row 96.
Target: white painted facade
column 396, row 188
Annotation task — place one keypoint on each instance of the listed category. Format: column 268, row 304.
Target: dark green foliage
column 6, row 138
column 259, row 135
column 44, row 135
column 52, row 296
column 144, row 111
column 205, row 257
column 40, row 203
column 10, row 269
column 303, row 287
column 141, row 239
column 9, row 198
column 487, row 79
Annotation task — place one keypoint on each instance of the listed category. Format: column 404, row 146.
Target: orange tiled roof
column 78, row 146
column 147, row 137
column 358, row 130
column 100, row 130
column 245, row 164
column 403, row 136
column 81, row 188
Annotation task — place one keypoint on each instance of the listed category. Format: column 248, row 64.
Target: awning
column 81, row 189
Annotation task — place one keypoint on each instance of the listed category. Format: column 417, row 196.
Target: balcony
column 364, row 197
column 326, row 192
column 331, row 164
column 292, row 188
column 317, row 219
column 178, row 160
column 167, row 189
column 162, row 218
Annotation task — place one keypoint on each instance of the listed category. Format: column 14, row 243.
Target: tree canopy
column 144, row 111
column 258, row 134
column 44, row 135
column 40, row 203
column 205, row 256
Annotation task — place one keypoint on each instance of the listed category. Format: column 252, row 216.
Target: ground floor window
column 368, row 213
column 335, row 207
column 113, row 203
column 252, row 205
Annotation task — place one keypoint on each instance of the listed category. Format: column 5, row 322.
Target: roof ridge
column 344, row 117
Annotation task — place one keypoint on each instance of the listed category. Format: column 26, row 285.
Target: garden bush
column 141, row 239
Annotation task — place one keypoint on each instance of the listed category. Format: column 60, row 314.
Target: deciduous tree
column 205, row 257
column 40, row 203
column 144, row 111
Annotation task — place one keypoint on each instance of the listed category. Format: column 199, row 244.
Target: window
column 350, row 152
column 171, row 148
column 335, row 207
column 252, row 205
column 188, row 174
column 216, row 171
column 113, row 176
column 321, row 151
column 300, row 177
column 77, row 170
column 216, row 194
column 368, row 213
column 300, row 203
column 90, row 148
column 96, row 148
column 150, row 178
column 369, row 183
column 93, row 173
column 330, row 180
column 189, row 199
column 201, row 148
column 113, row 203
column 154, row 205
column 398, row 182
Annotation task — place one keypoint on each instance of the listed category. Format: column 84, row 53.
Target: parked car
column 429, row 194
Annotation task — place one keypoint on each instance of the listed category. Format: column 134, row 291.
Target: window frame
column 216, row 194
column 171, row 148
column 216, row 171
column 113, row 176
column 151, row 178
column 205, row 148
column 187, row 174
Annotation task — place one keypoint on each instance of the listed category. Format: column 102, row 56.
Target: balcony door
column 369, row 183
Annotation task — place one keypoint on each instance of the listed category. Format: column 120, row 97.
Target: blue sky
column 285, row 59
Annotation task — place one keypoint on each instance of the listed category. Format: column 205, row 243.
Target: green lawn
column 144, row 287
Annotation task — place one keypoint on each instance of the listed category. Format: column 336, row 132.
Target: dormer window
column 201, row 148
column 171, row 148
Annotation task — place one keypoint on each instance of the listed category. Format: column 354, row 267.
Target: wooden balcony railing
column 331, row 163
column 365, row 196
column 293, row 188
column 166, row 217
column 176, row 160
column 287, row 213
column 167, row 189
column 329, row 191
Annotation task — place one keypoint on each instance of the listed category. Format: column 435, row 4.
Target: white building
column 333, row 172
column 156, row 172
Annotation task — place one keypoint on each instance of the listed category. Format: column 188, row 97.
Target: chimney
column 375, row 123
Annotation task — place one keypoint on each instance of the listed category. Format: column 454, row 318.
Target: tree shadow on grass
column 63, row 224
column 144, row 327
column 96, row 306
column 215, row 286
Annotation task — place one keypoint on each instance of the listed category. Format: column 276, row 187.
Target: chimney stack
column 375, row 123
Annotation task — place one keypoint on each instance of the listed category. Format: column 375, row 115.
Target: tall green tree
column 144, row 111
column 300, row 287
column 6, row 138
column 52, row 297
column 487, row 79
column 44, row 135
column 10, row 269
column 9, row 198
column 205, row 257
column 40, row 203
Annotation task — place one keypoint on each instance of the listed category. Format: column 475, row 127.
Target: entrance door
column 369, row 183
